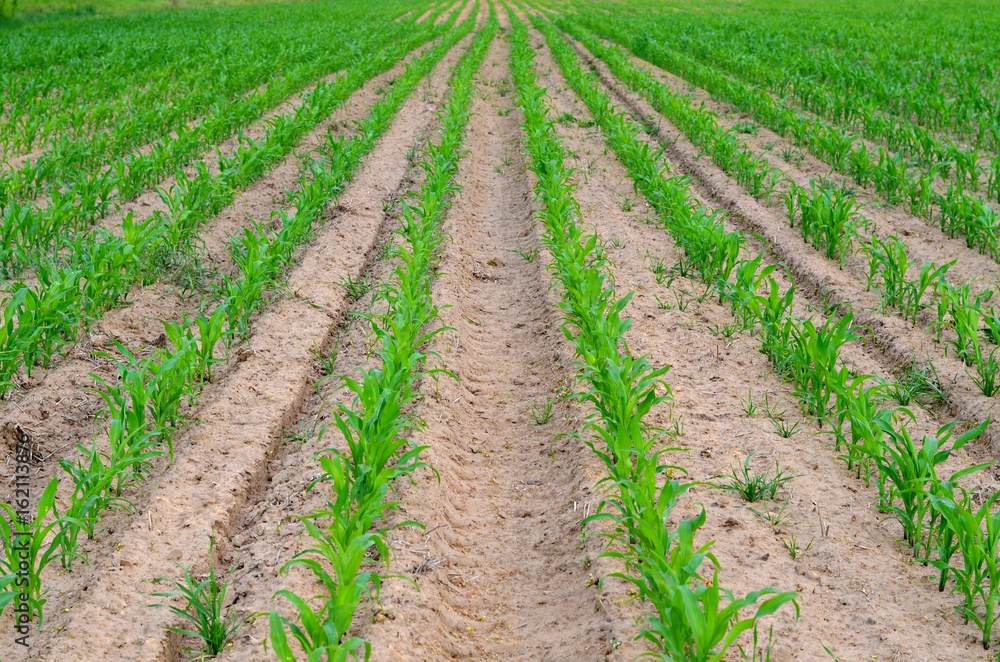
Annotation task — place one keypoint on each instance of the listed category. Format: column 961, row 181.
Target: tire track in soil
column 498, row 568
column 900, row 343
column 846, row 570
column 223, row 459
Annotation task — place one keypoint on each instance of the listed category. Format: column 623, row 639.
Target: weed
column 529, row 255
column 214, row 623
column 542, row 413
column 748, row 406
column 356, row 288
column 793, row 548
column 755, row 486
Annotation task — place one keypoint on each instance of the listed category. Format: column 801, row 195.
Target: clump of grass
column 748, row 406
column 781, row 425
column 753, row 485
column 920, row 384
column 529, row 255
column 213, row 623
column 356, row 288
column 793, row 547
column 775, row 516
column 542, row 413
column 306, row 431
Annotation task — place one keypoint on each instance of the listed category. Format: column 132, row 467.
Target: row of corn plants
column 36, row 234
column 956, row 210
column 853, row 68
column 693, row 617
column 862, row 117
column 351, row 526
column 135, row 78
column 148, row 400
column 106, row 159
column 37, row 322
column 829, row 219
column 144, row 411
column 875, row 438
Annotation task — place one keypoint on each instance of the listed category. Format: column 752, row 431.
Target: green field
column 707, row 274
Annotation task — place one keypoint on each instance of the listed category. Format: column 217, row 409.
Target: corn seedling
column 30, row 544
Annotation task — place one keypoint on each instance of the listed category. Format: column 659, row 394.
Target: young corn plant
column 30, row 544
column 976, row 536
column 888, row 266
column 908, row 473
column 828, row 219
column 688, row 621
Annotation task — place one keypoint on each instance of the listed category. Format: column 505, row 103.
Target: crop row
column 937, row 514
column 832, row 222
column 956, row 210
column 694, row 618
column 858, row 73
column 37, row 322
column 139, row 77
column 83, row 189
column 145, row 401
column 351, row 525
column 845, row 105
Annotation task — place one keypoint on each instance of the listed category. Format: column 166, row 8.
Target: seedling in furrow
column 214, row 622
column 542, row 413
column 753, row 485
column 920, row 384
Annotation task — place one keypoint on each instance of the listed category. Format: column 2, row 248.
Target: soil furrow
column 498, row 568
